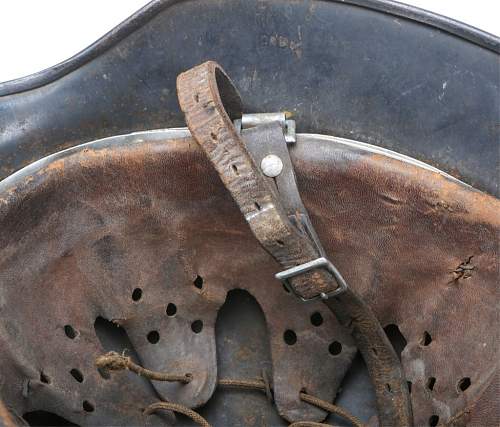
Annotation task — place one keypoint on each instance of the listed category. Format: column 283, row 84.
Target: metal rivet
column 271, row 165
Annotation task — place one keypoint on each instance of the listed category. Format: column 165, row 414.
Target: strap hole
column 316, row 319
column 197, row 326
column 153, row 337
column 463, row 384
column 77, row 375
column 430, row 383
column 137, row 294
column 70, row 332
column 426, row 339
column 171, row 310
column 198, row 282
column 290, row 337
column 44, row 378
column 409, row 383
column 335, row 348
column 87, row 406
column 433, row 420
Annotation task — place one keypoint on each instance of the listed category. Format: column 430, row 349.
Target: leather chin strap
column 210, row 102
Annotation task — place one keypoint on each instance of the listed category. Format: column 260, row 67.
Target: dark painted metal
column 374, row 71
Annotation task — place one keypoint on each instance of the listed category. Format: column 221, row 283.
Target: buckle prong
column 323, row 263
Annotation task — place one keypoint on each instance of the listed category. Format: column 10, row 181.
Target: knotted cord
column 113, row 361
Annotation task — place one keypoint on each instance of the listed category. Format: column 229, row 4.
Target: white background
column 36, row 34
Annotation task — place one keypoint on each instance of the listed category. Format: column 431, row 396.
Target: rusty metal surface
column 82, row 230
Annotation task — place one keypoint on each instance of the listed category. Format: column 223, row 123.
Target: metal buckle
column 285, row 276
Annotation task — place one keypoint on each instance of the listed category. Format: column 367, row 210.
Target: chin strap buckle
column 322, row 263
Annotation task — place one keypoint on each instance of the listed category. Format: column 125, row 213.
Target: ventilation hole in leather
column 235, row 169
column 197, row 326
column 88, row 406
column 153, row 337
column 430, row 383
column 137, row 294
column 77, row 375
column 335, row 348
column 396, row 338
column 409, row 383
column 45, row 418
column 290, row 337
column 316, row 319
column 257, row 206
column 70, row 332
column 426, row 339
column 171, row 310
column 198, row 282
column 464, row 384
column 433, row 420
column 44, row 378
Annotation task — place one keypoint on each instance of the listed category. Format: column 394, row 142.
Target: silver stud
column 271, row 165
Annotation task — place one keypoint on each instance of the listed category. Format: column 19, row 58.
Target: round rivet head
column 271, row 165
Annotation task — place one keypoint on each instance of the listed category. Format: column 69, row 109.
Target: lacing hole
column 153, row 337
column 44, row 378
column 316, row 319
column 70, row 332
column 137, row 294
column 434, row 420
column 463, row 384
column 198, row 282
column 430, row 383
column 335, row 348
column 290, row 337
column 87, row 406
column 197, row 326
column 235, row 169
column 104, row 373
column 426, row 339
column 77, row 375
column 171, row 310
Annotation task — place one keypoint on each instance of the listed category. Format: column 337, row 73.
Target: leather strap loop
column 208, row 99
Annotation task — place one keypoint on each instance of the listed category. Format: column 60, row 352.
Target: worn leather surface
column 397, row 232
column 209, row 101
column 86, row 229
